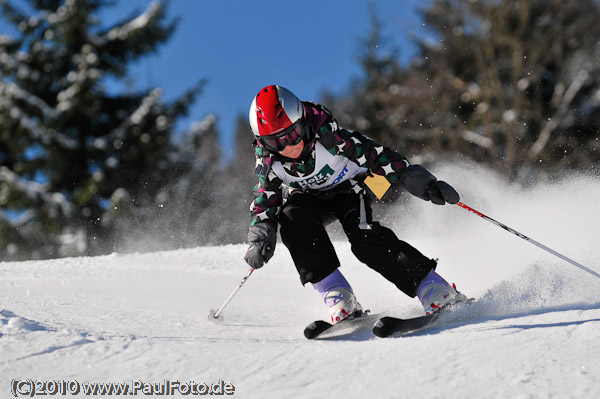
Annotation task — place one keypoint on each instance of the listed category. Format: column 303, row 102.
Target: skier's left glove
column 262, row 238
column 420, row 183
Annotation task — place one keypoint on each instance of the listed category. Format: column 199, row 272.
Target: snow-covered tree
column 511, row 83
column 516, row 83
column 240, row 173
column 188, row 209
column 74, row 154
column 369, row 105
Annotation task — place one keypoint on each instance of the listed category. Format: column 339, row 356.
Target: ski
column 387, row 326
column 323, row 329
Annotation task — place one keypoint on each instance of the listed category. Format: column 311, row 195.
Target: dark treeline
column 511, row 84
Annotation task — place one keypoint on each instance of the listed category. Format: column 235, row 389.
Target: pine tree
column 510, row 83
column 237, row 194
column 73, row 156
column 366, row 108
column 515, row 83
column 185, row 210
column 386, row 101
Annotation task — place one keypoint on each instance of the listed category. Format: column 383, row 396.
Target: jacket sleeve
column 363, row 151
column 267, row 192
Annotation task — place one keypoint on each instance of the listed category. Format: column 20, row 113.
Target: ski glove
column 262, row 238
column 420, row 183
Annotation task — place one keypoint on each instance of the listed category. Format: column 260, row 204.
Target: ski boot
column 342, row 305
column 435, row 293
column 339, row 297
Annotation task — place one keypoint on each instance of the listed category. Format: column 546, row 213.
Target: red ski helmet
column 273, row 110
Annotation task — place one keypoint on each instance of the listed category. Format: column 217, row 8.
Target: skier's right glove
column 262, row 238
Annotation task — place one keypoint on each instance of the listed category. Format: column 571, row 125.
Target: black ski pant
column 303, row 219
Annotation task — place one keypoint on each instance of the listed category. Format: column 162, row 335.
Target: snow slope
column 143, row 317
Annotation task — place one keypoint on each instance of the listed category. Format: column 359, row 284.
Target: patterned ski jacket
column 338, row 161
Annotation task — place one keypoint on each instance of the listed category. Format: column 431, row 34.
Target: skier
column 310, row 172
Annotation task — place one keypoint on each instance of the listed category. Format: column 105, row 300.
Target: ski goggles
column 290, row 136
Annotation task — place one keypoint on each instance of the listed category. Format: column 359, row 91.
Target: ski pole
column 489, row 219
column 213, row 315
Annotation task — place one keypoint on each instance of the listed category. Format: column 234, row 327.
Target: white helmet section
column 274, row 109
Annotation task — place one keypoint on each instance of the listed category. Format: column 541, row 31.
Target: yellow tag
column 378, row 185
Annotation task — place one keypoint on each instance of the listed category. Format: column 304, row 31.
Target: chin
column 294, row 154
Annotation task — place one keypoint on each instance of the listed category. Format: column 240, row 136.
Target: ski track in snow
column 532, row 333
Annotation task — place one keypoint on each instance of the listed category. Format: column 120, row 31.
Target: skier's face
column 293, row 151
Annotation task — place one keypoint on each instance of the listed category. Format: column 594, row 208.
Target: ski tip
column 309, row 330
column 314, row 329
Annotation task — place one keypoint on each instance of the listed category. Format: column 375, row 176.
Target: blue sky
column 241, row 46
